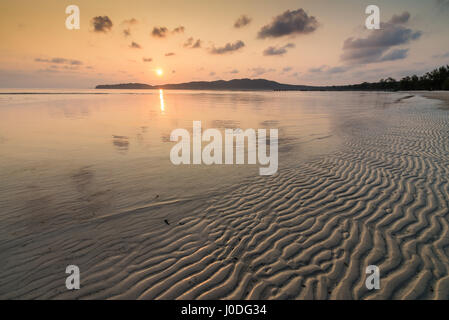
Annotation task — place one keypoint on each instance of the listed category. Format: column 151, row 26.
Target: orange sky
column 37, row 50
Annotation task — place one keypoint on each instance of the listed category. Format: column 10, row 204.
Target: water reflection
column 161, row 98
column 121, row 143
column 225, row 124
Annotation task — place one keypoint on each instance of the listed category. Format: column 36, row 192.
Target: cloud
column 147, row 59
column 162, row 32
column 377, row 46
column 62, row 67
column 60, row 61
column 234, row 71
column 242, row 21
column 159, row 32
column 131, row 21
column 47, row 70
column 191, row 43
column 335, row 70
column 135, row 45
column 255, row 72
column 397, row 54
column 317, row 69
column 329, row 70
column 289, row 23
column 101, row 24
column 443, row 55
column 400, row 19
column 128, row 22
column 169, row 54
column 179, row 29
column 287, row 69
column 277, row 51
column 212, row 74
column 228, row 48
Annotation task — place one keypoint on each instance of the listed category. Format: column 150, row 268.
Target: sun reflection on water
column 161, row 97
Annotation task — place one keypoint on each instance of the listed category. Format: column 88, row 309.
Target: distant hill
column 437, row 79
column 125, row 86
column 236, row 84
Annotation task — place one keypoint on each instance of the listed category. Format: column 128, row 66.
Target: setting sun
column 159, row 72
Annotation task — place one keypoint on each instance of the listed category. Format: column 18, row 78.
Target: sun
column 159, row 72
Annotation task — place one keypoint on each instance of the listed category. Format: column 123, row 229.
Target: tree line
column 437, row 79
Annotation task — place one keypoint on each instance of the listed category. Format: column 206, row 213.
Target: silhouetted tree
column 434, row 80
column 446, row 84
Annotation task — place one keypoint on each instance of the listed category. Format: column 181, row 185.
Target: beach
column 362, row 180
column 439, row 95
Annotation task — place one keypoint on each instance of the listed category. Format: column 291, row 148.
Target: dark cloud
column 212, row 73
column 179, row 29
column 289, row 23
column 159, row 32
column 135, row 45
column 169, row 54
column 287, row 69
column 255, row 72
column 277, row 51
column 191, row 43
column 60, row 61
column 377, row 46
column 228, row 48
column 101, row 24
column 242, row 21
column 234, row 71
column 400, row 19
column 147, row 59
column 127, row 32
column 162, row 32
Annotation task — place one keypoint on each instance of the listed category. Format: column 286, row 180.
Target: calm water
column 69, row 157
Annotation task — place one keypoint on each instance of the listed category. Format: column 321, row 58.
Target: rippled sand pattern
column 307, row 233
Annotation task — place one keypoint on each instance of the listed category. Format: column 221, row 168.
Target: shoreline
column 443, row 96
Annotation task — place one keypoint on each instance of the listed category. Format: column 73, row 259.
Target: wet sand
column 439, row 95
column 309, row 232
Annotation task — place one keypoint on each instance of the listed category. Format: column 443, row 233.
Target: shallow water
column 116, row 146
column 86, row 178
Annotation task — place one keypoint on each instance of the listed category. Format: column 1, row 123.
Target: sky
column 307, row 42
